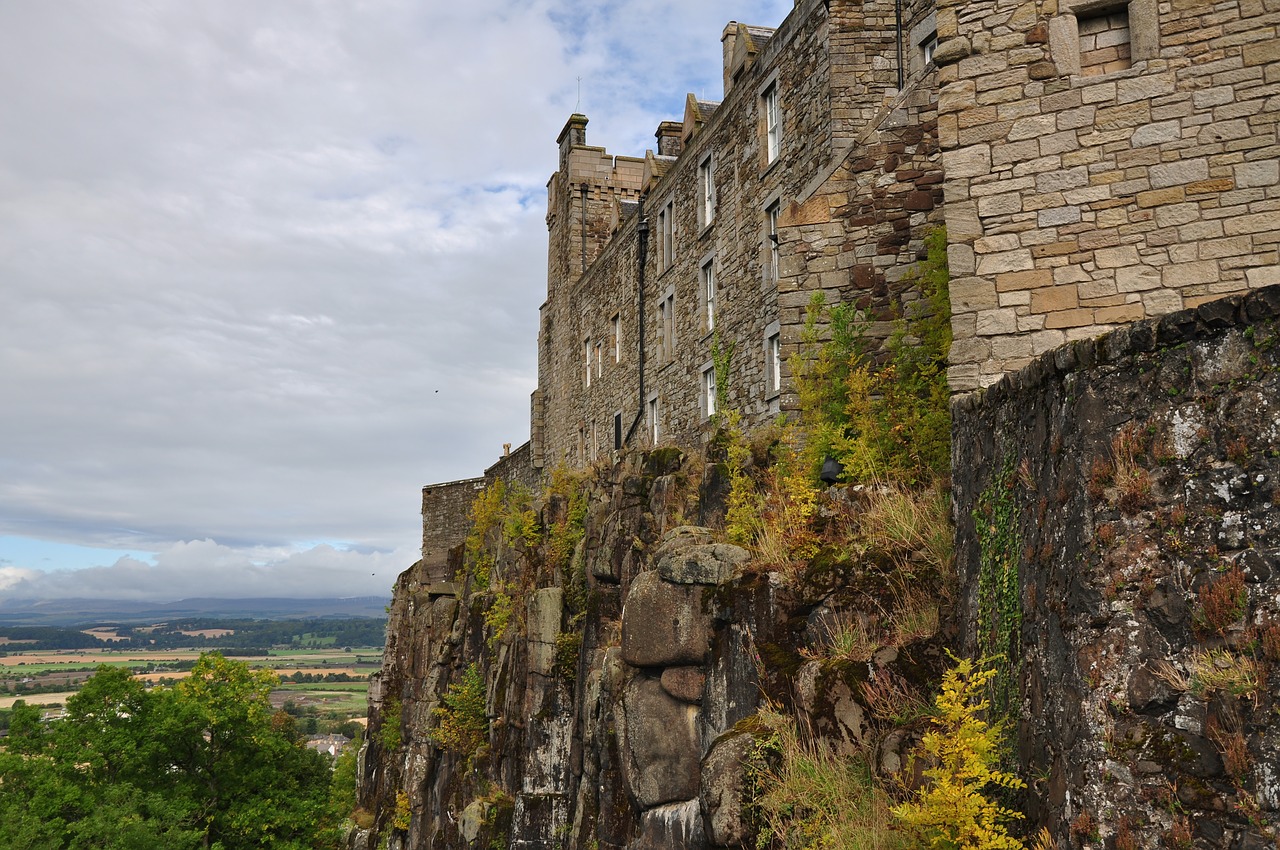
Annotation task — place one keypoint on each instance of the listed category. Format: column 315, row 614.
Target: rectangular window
column 654, row 431
column 706, row 192
column 666, row 231
column 1104, row 42
column 617, row 432
column 773, row 363
column 667, row 327
column 709, row 390
column 595, row 442
column 927, row 47
column 599, row 359
column 586, row 361
column 772, row 122
column 771, row 231
column 709, row 294
column 615, row 333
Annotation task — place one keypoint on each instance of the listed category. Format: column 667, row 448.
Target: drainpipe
column 642, row 250
column 897, row 18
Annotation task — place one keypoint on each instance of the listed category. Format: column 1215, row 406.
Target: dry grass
column 849, row 637
column 1221, row 603
column 912, row 526
column 812, row 797
column 1219, row 670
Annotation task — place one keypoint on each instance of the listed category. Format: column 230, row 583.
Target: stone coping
column 1207, row 320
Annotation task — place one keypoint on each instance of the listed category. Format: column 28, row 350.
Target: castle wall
column 1082, row 194
column 1104, row 495
column 446, row 519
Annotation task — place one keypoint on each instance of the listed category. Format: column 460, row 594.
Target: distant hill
column 78, row 612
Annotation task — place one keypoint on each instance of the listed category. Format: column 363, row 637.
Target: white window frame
column 599, row 359
column 654, row 413
column 709, row 390
column 586, row 360
column 615, row 327
column 707, row 282
column 772, row 122
column 772, row 359
column 707, row 191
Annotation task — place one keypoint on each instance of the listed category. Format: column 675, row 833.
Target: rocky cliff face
column 619, row 705
column 1117, row 510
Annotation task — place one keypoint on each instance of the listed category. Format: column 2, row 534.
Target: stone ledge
column 1207, row 320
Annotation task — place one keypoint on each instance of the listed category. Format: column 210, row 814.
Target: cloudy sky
column 269, row 266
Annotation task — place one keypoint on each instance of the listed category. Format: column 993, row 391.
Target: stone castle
column 1095, row 163
column 1109, row 178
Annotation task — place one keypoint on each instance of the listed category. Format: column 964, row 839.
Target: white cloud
column 270, row 268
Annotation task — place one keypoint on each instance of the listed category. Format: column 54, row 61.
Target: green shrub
column 389, row 735
column 889, row 421
column 962, row 750
column 461, row 724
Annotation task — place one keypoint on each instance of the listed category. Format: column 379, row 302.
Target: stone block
column 1263, row 276
column 1031, row 128
column 1137, row 278
column 1069, row 318
column 1056, row 181
column 1111, row 258
column 1118, row 315
column 1058, row 216
column 1005, row 261
column 972, row 293
column 997, row 322
column 1161, row 302
column 1144, row 87
column 1033, row 279
column 1053, row 298
column 970, row 161
column 1010, row 202
column 960, row 259
column 1258, row 173
column 1156, row 197
column 1178, row 173
column 1264, row 222
column 1188, row 274
column 1156, row 134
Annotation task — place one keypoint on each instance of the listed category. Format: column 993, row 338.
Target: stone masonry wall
column 1122, row 497
column 446, row 520
column 856, row 186
column 1082, row 194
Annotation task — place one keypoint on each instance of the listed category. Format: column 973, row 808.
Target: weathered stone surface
column 675, row 825
column 684, row 683
column 664, row 624
column 659, row 740
column 545, row 608
column 1116, row 636
column 723, row 773
column 708, row 563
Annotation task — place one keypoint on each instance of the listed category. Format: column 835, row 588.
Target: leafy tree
column 205, row 764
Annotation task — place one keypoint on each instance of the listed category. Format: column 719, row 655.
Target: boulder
column 707, row 563
column 684, row 683
column 660, row 752
column 682, row 537
column 663, row 624
column 723, row 774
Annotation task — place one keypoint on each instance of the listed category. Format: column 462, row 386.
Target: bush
column 461, row 723
column 962, row 750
